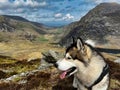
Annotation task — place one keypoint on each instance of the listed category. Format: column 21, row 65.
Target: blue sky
column 49, row 12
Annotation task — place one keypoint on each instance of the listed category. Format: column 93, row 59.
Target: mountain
column 25, row 20
column 16, row 18
column 16, row 27
column 99, row 23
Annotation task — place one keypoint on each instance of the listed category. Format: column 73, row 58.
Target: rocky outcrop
column 97, row 24
column 6, row 28
column 51, row 56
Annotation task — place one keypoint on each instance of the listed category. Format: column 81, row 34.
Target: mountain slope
column 15, row 27
column 25, row 20
column 97, row 24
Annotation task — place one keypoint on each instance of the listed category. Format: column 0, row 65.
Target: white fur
column 91, row 42
column 64, row 65
column 103, row 85
column 75, row 82
column 68, row 55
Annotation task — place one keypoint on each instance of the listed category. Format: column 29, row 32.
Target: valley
column 22, row 44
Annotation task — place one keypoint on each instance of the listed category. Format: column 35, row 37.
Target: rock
column 12, row 78
column 34, row 56
column 50, row 57
column 44, row 66
column 22, row 82
column 97, row 24
column 54, row 54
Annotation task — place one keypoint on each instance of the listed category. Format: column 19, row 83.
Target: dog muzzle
column 67, row 68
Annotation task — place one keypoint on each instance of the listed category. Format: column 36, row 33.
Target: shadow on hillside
column 106, row 50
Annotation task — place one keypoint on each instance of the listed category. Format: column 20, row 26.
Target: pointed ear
column 80, row 44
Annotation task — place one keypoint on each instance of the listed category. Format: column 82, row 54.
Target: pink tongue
column 62, row 76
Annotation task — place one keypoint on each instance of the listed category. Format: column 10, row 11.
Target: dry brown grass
column 22, row 50
column 49, row 78
column 114, row 75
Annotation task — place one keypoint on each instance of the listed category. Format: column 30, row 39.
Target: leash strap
column 104, row 72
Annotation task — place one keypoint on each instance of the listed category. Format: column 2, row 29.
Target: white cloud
column 3, row 1
column 101, row 1
column 21, row 3
column 68, row 16
column 98, row 1
column 61, row 17
column 113, row 0
column 19, row 10
column 58, row 15
column 43, row 3
column 33, row 3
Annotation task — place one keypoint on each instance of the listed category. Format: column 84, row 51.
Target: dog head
column 76, row 56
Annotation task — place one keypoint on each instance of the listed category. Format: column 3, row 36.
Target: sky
column 49, row 12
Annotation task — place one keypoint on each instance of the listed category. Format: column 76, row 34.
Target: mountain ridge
column 97, row 24
column 20, row 27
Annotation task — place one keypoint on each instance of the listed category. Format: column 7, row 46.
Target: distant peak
column 108, row 3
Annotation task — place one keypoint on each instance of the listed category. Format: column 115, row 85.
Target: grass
column 23, row 67
column 114, row 84
column 21, row 51
column 7, row 61
column 49, row 78
column 24, row 50
column 41, row 39
column 15, row 67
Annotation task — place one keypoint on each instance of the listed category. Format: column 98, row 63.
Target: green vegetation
column 41, row 39
column 6, row 61
column 15, row 67
column 23, row 67
column 20, row 25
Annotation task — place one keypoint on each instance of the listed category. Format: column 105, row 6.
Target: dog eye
column 69, row 58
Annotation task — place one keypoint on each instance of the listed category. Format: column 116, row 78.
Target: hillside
column 17, row 28
column 25, row 47
column 18, row 18
column 101, row 24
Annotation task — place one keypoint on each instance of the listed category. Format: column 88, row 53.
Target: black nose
column 56, row 65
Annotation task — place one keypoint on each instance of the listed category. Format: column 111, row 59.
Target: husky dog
column 90, row 70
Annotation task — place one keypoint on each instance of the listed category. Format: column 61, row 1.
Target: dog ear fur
column 80, row 44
